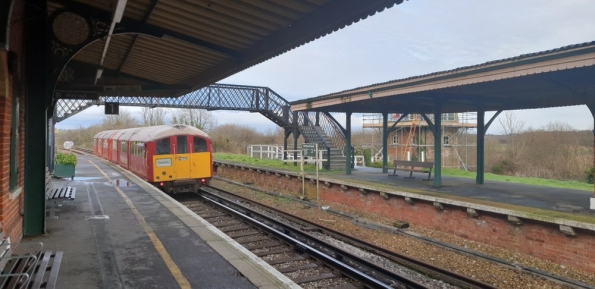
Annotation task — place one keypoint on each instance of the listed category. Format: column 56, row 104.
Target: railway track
column 314, row 256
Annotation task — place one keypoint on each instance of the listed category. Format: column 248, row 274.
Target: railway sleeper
column 225, row 223
column 297, row 268
column 253, row 239
column 234, row 228
column 314, row 278
column 273, row 252
column 243, row 234
column 286, row 260
column 271, row 244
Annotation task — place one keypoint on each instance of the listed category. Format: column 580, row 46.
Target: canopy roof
column 169, row 48
column 557, row 77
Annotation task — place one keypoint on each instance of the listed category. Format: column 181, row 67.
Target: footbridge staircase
column 315, row 127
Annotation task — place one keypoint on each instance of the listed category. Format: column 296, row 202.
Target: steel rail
column 331, row 260
column 396, row 257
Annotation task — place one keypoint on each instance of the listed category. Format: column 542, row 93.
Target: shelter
column 558, row 77
column 83, row 49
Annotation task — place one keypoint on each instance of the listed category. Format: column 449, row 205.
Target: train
column 176, row 158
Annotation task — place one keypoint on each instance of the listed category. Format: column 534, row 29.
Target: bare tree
column 199, row 118
column 512, row 128
column 122, row 120
column 153, row 116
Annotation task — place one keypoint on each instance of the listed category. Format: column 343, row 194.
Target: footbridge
column 316, row 127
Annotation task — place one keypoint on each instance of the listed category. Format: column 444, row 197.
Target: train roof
column 150, row 133
column 103, row 134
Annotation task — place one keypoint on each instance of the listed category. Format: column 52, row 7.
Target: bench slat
column 410, row 167
column 51, row 282
column 41, row 268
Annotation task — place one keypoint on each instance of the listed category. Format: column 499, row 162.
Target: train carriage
column 176, row 158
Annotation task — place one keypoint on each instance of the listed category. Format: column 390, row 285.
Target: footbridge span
column 315, row 127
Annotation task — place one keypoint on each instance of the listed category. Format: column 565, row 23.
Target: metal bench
column 26, row 265
column 413, row 166
column 55, row 196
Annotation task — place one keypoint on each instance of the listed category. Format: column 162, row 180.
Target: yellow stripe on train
column 181, row 166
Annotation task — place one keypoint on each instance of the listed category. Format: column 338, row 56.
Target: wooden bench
column 55, row 196
column 413, row 166
column 26, row 265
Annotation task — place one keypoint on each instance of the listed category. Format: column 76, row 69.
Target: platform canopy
column 559, row 77
column 170, row 48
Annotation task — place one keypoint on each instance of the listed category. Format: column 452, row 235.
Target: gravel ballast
column 488, row 272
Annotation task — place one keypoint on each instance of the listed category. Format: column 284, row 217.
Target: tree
column 199, row 118
column 512, row 128
column 122, row 120
column 153, row 116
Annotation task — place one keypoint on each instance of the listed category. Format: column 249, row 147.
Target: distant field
column 244, row 159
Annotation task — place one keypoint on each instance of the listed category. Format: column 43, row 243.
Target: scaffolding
column 411, row 138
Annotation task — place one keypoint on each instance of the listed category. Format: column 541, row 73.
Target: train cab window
column 200, row 145
column 182, row 144
column 163, row 146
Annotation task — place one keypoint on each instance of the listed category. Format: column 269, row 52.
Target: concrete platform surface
column 120, row 232
column 541, row 197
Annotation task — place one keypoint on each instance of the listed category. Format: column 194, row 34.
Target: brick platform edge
column 565, row 242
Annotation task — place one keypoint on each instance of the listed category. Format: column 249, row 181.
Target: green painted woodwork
column 385, row 142
column 64, row 171
column 480, row 147
column 437, row 145
column 348, row 145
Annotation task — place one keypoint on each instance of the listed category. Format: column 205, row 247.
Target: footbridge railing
column 263, row 100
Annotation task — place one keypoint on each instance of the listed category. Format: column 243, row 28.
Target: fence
column 273, row 152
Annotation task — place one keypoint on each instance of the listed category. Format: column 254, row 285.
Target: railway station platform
column 120, row 232
column 530, row 196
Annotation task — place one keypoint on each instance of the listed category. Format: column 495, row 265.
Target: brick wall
column 10, row 90
column 540, row 239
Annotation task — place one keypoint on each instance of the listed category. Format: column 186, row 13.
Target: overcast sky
column 415, row 38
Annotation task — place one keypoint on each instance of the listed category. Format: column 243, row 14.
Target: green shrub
column 65, row 159
column 504, row 167
column 375, row 165
column 367, row 156
column 589, row 175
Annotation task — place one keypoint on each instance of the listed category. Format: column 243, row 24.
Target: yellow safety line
column 171, row 265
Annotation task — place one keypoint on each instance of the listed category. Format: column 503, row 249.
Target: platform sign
column 68, row 145
column 112, row 108
column 309, row 149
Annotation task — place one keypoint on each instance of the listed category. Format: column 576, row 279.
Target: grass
column 309, row 168
column 575, row 185
column 276, row 164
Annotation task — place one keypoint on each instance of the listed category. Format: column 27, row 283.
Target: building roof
column 556, row 77
column 169, row 48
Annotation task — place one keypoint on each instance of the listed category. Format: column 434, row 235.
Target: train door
column 182, row 158
column 201, row 158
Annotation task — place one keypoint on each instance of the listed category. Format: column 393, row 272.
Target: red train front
column 177, row 158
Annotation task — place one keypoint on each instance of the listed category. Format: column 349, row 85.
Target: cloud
column 416, row 38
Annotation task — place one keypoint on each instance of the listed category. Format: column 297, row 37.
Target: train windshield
column 182, row 144
column 200, row 145
column 162, row 146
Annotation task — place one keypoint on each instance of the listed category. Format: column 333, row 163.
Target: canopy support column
column 591, row 107
column 384, row 142
column 480, row 146
column 348, row 143
column 437, row 144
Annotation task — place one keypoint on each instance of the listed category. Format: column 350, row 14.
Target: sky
column 414, row 38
